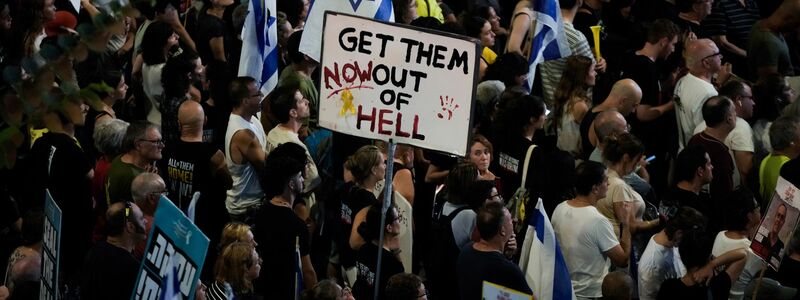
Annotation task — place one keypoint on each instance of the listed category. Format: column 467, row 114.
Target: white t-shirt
column 658, row 263
column 724, row 244
column 692, row 92
column 740, row 139
column 584, row 236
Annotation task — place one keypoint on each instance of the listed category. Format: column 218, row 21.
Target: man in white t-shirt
column 740, row 140
column 586, row 237
column 661, row 260
column 704, row 61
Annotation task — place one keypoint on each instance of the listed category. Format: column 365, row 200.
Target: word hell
column 382, row 121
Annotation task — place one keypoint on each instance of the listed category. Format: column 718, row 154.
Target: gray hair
column 108, row 136
column 783, row 132
column 136, row 131
column 145, row 184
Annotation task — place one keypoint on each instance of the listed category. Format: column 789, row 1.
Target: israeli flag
column 259, row 58
column 541, row 260
column 311, row 42
column 170, row 282
column 549, row 40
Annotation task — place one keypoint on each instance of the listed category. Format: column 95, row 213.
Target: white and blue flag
column 541, row 260
column 549, row 40
column 259, row 58
column 311, row 43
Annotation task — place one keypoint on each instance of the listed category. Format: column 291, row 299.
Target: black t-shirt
column 354, row 200
column 645, row 72
column 58, row 163
column 677, row 197
column 186, row 169
column 366, row 266
column 109, row 272
column 586, row 123
column 209, row 27
column 787, row 273
column 170, row 129
column 216, row 125
column 674, row 288
column 476, row 266
column 722, row 184
column 510, row 161
column 276, row 231
column 791, row 171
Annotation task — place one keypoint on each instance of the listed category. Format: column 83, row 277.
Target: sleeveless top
column 524, row 7
column 569, row 134
column 246, row 191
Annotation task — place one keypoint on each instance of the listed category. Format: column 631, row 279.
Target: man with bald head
column 110, row 269
column 704, row 62
column 607, row 123
column 624, row 97
column 192, row 166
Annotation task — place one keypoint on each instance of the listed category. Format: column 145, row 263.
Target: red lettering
column 332, row 75
column 414, row 132
column 352, row 74
column 397, row 130
column 382, row 121
column 363, row 117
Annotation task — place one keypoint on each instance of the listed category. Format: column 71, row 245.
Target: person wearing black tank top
column 624, row 97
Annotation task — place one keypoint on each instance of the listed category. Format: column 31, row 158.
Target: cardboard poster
column 387, row 81
column 493, row 291
column 175, row 245
column 778, row 224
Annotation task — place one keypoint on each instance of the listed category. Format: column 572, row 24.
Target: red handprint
column 448, row 106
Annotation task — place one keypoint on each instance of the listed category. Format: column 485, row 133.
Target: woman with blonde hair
column 236, row 232
column 571, row 102
column 236, row 268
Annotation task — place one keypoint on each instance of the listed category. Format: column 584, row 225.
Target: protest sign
column 175, row 245
column 778, row 225
column 312, row 30
column 493, row 291
column 387, row 81
column 51, row 247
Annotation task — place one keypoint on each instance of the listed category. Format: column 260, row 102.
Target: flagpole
column 387, row 196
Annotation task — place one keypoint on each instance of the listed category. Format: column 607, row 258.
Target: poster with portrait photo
column 778, row 224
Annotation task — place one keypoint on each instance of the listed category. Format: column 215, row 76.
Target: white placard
column 386, row 81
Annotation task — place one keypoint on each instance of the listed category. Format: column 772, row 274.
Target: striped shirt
column 732, row 20
column 553, row 69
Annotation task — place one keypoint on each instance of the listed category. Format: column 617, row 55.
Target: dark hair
column 403, row 286
column 490, row 219
column 769, row 96
column 685, row 6
column 572, row 85
column 293, row 47
column 176, row 76
column 619, row 145
column 716, row 109
column 426, row 22
column 695, row 249
column 783, row 132
column 292, row 8
column 661, row 28
column 732, row 88
column 136, row 131
column 116, row 219
column 689, row 160
column 687, row 219
column 153, row 42
column 483, row 11
column 513, row 115
column 506, row 68
column 473, row 26
column 290, row 150
column 238, row 89
column 587, row 175
column 282, row 101
column 111, row 77
column 459, row 180
column 371, row 228
column 219, row 79
column 400, row 7
column 32, row 224
column 278, row 170
column 740, row 204
column 478, row 192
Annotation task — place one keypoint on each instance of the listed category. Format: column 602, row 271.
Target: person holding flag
column 537, row 33
column 587, row 236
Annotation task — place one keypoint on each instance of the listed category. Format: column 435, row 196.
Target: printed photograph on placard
column 778, row 225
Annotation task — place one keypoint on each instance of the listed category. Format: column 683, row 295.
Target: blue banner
column 51, row 247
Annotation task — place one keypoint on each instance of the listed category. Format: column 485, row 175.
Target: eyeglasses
column 712, row 55
column 164, row 192
column 158, row 142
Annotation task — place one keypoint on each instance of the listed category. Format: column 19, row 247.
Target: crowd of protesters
column 655, row 157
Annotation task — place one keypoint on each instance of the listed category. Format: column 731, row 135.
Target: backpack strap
column 526, row 164
column 455, row 213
